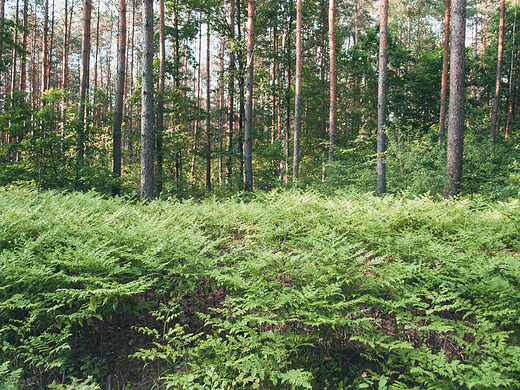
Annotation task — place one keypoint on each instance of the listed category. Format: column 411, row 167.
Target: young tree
column 120, row 91
column 381, row 98
column 297, row 93
column 248, row 167
column 496, row 97
column 457, row 99
column 147, row 105
column 445, row 65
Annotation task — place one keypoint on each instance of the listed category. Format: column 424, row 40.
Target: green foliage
column 276, row 290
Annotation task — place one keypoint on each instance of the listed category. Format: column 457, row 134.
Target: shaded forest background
column 53, row 138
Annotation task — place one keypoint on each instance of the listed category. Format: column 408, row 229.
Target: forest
column 291, row 194
column 286, row 99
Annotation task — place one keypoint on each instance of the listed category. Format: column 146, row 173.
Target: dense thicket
column 280, row 290
column 46, row 139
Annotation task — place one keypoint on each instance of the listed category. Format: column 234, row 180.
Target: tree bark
column 44, row 47
column 120, row 92
column 297, row 94
column 51, row 48
column 14, row 53
column 208, row 108
column 456, row 105
column 248, row 166
column 97, row 49
column 84, row 78
column 445, row 67
column 381, row 98
column 322, row 86
column 231, row 87
column 160, row 97
column 332, row 56
column 23, row 67
column 147, row 105
column 496, row 97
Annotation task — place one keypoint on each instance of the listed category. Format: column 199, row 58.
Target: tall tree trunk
column 456, row 108
column 332, row 55
column 445, row 65
column 297, row 94
column 231, row 87
column 248, row 166
column 13, row 73
column 44, row 47
column 322, row 85
column 356, row 23
column 496, row 97
column 147, row 105
column 84, row 79
column 197, row 121
column 381, row 97
column 283, row 92
column 208, row 107
column 160, row 97
column 510, row 113
column 273, row 83
column 97, row 49
column 288, row 109
column 222, row 118
column 23, row 67
column 2, row 28
column 120, row 92
column 241, row 97
column 51, row 48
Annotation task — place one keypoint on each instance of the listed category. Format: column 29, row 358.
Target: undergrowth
column 283, row 290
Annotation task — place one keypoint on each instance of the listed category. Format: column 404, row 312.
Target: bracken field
column 276, row 290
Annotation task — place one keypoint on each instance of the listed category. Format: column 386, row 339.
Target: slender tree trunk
column 84, row 79
column 456, row 108
column 241, row 97
column 13, row 73
column 51, row 48
column 23, row 67
column 381, row 97
column 332, row 55
column 288, row 98
column 445, row 67
column 283, row 92
column 33, row 71
column 231, row 87
column 44, row 48
column 510, row 113
column 297, row 94
column 197, row 121
column 208, row 108
column 120, row 92
column 97, row 49
column 248, row 166
column 222, row 119
column 496, row 98
column 147, row 105
column 322, row 85
column 64, row 45
column 160, row 97
column 2, row 23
